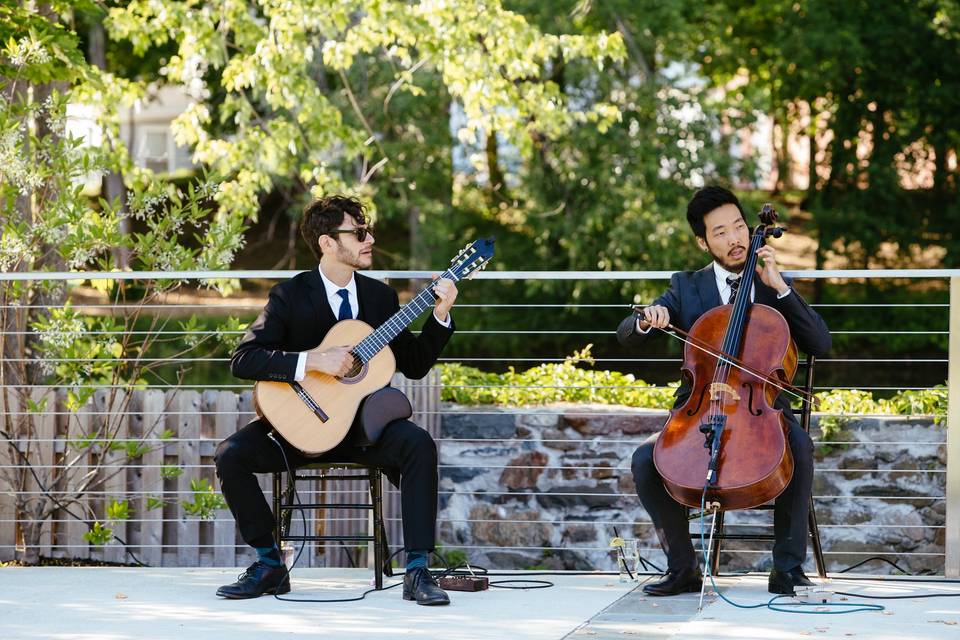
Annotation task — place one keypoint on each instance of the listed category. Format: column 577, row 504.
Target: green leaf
column 118, row 511
column 98, row 535
column 171, row 471
column 155, row 502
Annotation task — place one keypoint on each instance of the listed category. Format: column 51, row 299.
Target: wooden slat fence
column 158, row 482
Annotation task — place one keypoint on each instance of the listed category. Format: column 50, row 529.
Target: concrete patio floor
column 120, row 603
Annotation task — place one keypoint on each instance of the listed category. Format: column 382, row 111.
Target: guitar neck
column 381, row 337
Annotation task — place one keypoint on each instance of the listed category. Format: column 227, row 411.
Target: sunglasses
column 360, row 232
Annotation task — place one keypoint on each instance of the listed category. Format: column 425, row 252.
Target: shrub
column 547, row 383
column 571, row 381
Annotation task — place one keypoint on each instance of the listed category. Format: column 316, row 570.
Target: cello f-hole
column 696, row 409
column 753, row 412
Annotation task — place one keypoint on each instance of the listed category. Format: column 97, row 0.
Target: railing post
column 952, row 564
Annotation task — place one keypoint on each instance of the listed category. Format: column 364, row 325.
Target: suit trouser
column 790, row 513
column 403, row 449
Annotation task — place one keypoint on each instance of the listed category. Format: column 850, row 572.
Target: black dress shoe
column 783, row 582
column 258, row 579
column 419, row 585
column 682, row 581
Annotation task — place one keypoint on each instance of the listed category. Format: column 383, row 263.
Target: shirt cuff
column 781, row 296
column 442, row 323
column 301, row 371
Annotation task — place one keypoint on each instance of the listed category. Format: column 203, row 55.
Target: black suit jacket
column 693, row 293
column 298, row 316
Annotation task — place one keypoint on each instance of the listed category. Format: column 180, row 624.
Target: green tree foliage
column 287, row 110
column 609, row 198
column 376, row 99
column 54, row 358
column 884, row 80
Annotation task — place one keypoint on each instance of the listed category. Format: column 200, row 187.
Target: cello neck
column 734, row 334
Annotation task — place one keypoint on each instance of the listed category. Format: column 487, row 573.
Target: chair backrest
column 807, row 409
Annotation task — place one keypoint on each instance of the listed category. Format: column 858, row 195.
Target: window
column 156, row 150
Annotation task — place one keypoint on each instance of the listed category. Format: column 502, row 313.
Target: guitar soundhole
column 356, row 373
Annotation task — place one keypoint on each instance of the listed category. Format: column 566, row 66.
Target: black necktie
column 345, row 313
column 734, row 282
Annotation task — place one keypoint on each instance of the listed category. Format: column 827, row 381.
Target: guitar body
column 337, row 398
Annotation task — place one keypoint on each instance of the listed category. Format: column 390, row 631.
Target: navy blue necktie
column 345, row 313
column 734, row 282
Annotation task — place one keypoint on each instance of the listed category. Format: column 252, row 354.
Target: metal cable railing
column 475, row 506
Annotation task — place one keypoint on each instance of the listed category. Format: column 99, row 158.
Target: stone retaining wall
column 559, row 477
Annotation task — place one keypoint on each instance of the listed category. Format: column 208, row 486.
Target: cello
column 727, row 444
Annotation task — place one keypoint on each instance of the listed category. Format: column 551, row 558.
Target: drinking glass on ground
column 628, row 560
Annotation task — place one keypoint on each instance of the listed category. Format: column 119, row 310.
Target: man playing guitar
column 298, row 315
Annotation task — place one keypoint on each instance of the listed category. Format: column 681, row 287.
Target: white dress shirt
column 333, row 297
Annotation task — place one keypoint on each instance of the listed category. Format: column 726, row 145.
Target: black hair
column 706, row 200
column 325, row 215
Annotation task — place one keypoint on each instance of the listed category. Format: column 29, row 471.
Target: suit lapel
column 320, row 302
column 706, row 283
column 363, row 297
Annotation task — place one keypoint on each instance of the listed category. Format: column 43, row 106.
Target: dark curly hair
column 324, row 215
column 706, row 200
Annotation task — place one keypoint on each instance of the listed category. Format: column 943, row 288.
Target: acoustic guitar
column 316, row 414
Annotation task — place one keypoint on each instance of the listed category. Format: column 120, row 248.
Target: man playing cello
column 720, row 229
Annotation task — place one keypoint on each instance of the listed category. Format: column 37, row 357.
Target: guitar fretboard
column 381, row 337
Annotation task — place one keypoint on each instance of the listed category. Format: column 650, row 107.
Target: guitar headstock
column 472, row 258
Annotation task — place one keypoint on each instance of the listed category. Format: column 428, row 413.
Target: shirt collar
column 722, row 274
column 332, row 288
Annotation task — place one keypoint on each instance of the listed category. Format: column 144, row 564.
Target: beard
column 731, row 264
column 356, row 260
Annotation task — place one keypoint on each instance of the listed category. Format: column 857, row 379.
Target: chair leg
column 715, row 546
column 277, row 511
column 385, row 551
column 815, row 539
column 281, row 517
column 376, row 499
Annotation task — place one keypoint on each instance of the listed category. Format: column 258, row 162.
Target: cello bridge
column 718, row 388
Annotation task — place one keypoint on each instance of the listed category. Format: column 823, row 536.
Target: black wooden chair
column 720, row 534
column 284, row 506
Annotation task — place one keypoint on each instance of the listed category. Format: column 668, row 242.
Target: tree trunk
column 823, row 244
column 780, row 137
column 493, row 163
column 37, row 299
column 45, row 295
column 941, row 173
column 28, row 543
column 417, row 258
column 811, row 164
column 112, row 188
